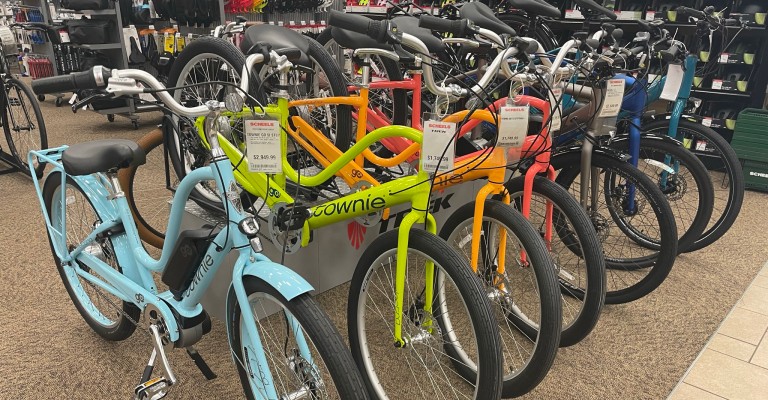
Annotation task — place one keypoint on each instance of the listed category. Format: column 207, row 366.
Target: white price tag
column 263, row 146
column 650, row 15
column 557, row 114
column 614, row 94
column 438, row 136
column 706, row 121
column 701, row 145
column 717, row 84
column 513, row 126
column 724, row 58
column 673, row 83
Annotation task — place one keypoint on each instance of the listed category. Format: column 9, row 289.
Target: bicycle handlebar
column 592, row 5
column 457, row 28
column 692, row 12
column 376, row 30
column 94, row 78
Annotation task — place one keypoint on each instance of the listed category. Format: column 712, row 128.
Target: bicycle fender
column 289, row 283
column 648, row 137
column 602, row 150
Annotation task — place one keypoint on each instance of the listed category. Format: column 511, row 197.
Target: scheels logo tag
column 758, row 174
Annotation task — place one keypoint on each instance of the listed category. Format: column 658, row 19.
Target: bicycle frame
column 135, row 284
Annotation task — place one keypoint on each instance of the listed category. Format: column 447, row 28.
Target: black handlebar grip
column 94, row 78
column 670, row 54
column 731, row 22
column 637, row 50
column 458, row 28
column 687, row 11
column 591, row 5
column 376, row 30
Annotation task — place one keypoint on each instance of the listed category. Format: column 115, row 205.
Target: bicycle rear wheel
column 724, row 170
column 451, row 351
column 305, row 354
column 632, row 270
column 524, row 293
column 106, row 314
column 23, row 124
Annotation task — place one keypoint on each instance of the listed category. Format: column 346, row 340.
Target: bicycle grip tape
column 457, row 28
column 376, row 30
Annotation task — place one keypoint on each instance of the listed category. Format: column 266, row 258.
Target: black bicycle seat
column 102, row 156
column 410, row 25
column 536, row 8
column 278, row 37
column 353, row 40
column 484, row 17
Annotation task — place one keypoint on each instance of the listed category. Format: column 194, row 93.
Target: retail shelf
column 713, row 92
column 109, row 11
column 105, row 46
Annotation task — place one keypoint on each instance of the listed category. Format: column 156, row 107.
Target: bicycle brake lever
column 88, row 100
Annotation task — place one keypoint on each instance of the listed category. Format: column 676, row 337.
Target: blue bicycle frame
column 136, row 285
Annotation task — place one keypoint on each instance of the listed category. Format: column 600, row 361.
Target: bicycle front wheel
column 452, row 349
column 575, row 250
column 724, row 170
column 633, row 270
column 685, row 183
column 523, row 291
column 304, row 354
column 23, row 124
column 109, row 316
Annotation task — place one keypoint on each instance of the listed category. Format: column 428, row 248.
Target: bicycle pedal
column 153, row 389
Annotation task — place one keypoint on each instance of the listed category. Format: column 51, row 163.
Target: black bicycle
column 21, row 117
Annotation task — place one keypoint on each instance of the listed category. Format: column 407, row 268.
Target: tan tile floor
column 734, row 364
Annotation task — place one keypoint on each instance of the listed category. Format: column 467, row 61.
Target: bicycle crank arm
column 156, row 388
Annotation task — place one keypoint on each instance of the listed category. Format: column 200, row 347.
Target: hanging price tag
column 717, row 84
column 706, row 121
column 673, row 83
column 614, row 94
column 513, row 125
column 557, row 114
column 724, row 58
column 438, row 148
column 650, row 15
column 263, row 146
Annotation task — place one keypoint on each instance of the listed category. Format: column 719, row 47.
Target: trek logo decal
column 350, row 206
column 437, row 204
column 356, row 234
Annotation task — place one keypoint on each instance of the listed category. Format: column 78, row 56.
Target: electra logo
column 758, row 174
column 356, row 234
column 440, row 203
column 350, row 206
column 201, row 271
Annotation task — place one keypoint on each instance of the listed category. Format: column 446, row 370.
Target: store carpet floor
column 638, row 350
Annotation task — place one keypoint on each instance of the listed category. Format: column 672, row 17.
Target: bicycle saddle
column 353, row 40
column 101, row 156
column 410, row 25
column 278, row 37
column 484, row 17
column 536, row 8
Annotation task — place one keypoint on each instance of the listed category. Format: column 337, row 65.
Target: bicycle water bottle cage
column 188, row 259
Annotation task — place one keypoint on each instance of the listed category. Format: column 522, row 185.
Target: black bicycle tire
column 317, row 326
column 32, row 100
column 700, row 179
column 733, row 169
column 471, row 290
column 125, row 327
column 658, row 265
column 589, row 247
column 548, row 337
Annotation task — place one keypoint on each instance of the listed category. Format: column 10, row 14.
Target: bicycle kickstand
column 155, row 388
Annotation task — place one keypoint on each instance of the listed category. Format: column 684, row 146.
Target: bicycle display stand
column 331, row 257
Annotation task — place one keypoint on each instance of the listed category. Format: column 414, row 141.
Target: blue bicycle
column 283, row 345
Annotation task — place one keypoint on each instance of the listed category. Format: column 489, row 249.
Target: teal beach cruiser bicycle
column 283, row 345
